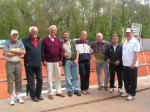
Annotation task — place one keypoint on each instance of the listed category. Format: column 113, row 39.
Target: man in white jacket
column 130, row 64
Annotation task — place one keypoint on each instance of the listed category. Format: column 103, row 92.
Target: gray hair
column 52, row 26
column 33, row 27
column 114, row 35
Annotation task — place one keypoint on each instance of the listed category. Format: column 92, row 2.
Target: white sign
column 137, row 28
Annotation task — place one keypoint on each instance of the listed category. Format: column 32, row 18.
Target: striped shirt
column 83, row 48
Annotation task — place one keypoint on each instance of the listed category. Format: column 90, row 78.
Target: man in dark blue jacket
column 115, row 63
column 32, row 62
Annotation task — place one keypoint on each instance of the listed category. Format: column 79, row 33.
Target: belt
column 69, row 59
column 13, row 62
column 126, row 66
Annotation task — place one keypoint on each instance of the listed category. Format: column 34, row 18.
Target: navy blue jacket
column 33, row 55
column 114, row 56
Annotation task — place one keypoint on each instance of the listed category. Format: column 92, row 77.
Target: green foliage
column 105, row 16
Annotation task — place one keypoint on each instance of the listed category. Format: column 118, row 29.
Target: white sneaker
column 130, row 98
column 124, row 95
column 84, row 92
column 111, row 90
column 88, row 92
column 19, row 100
column 11, row 102
column 120, row 90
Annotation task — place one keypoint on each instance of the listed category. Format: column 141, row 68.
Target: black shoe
column 35, row 99
column 99, row 88
column 106, row 88
column 70, row 94
column 40, row 98
column 77, row 93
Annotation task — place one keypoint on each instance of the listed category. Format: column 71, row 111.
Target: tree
column 105, row 16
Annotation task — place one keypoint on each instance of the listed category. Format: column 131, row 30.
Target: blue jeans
column 99, row 67
column 72, row 79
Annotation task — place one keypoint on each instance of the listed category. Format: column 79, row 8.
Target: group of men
column 75, row 56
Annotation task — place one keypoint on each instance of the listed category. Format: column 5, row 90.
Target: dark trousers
column 32, row 73
column 113, row 69
column 130, row 80
column 84, row 71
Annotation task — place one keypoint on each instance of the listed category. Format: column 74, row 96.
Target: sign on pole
column 137, row 28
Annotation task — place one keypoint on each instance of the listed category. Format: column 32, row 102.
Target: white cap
column 129, row 30
column 13, row 32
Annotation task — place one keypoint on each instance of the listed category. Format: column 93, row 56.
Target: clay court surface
column 144, row 59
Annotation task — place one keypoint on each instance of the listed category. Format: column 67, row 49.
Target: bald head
column 99, row 37
column 83, row 35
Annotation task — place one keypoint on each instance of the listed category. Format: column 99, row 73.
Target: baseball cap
column 13, row 32
column 128, row 30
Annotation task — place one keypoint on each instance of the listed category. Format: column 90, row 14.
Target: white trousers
column 53, row 69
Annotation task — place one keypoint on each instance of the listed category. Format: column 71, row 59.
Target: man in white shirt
column 130, row 64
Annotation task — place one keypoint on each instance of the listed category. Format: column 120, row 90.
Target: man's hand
column 65, row 55
column 17, row 52
column 117, row 62
column 9, row 54
column 91, row 51
column 132, row 66
column 75, row 62
column 60, row 63
column 44, row 63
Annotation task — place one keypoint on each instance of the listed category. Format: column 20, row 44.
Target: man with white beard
column 32, row 63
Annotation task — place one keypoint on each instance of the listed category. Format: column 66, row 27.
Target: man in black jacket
column 115, row 63
column 32, row 62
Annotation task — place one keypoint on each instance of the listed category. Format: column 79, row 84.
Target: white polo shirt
column 129, row 48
